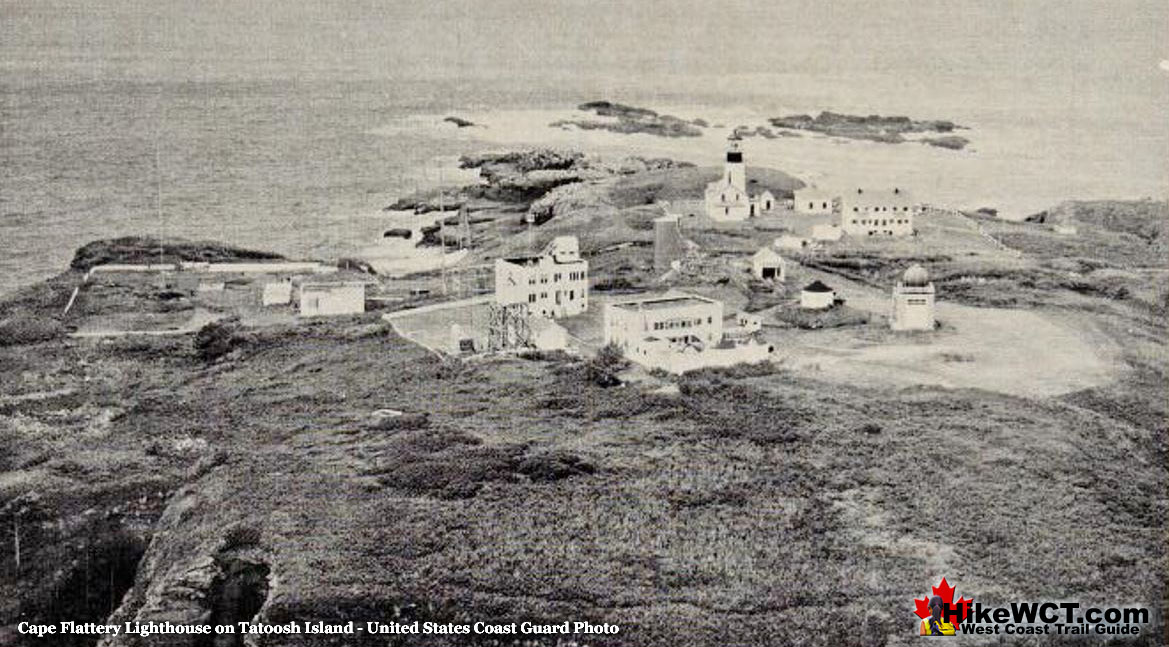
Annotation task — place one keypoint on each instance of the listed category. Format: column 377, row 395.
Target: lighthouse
column 726, row 197
column 736, row 171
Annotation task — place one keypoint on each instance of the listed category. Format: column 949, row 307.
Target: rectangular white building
column 554, row 283
column 813, row 200
column 679, row 332
column 866, row 213
column 676, row 319
column 322, row 299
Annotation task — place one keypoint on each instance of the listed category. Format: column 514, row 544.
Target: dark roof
column 817, row 286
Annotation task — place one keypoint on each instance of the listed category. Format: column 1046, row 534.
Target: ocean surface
column 291, row 131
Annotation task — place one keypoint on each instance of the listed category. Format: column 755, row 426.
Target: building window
column 532, row 298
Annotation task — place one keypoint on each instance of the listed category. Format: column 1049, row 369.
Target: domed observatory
column 913, row 301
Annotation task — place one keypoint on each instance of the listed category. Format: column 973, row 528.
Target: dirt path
column 1021, row 352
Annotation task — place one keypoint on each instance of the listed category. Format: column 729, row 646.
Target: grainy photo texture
column 583, row 323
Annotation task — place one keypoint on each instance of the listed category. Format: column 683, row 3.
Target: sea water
column 290, row 128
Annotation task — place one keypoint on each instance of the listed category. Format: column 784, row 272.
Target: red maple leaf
column 943, row 589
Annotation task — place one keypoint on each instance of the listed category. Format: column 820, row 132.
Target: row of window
column 879, row 208
column 883, row 222
column 571, row 294
column 680, row 323
column 558, row 277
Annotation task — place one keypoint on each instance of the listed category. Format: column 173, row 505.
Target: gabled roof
column 768, row 254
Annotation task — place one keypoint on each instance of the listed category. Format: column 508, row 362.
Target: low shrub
column 603, row 368
column 216, row 339
column 20, row 329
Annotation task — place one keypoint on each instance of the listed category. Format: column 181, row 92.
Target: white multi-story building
column 678, row 333
column 554, row 283
column 727, row 198
column 878, row 213
column 674, row 318
column 913, row 301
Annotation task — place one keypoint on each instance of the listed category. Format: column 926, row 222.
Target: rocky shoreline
column 877, row 128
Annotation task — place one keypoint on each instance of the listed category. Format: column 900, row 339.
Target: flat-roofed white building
column 677, row 333
column 277, row 293
column 674, row 318
column 872, row 213
column 326, row 299
column 553, row 283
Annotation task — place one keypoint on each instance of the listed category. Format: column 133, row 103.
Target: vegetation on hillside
column 146, row 249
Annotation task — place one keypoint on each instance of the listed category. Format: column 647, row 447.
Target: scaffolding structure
column 507, row 327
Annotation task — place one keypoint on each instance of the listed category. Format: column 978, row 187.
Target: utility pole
column 442, row 233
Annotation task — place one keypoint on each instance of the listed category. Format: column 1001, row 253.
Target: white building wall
column 878, row 213
column 332, row 299
column 761, row 262
column 680, row 362
column 913, row 308
column 817, row 300
column 627, row 325
column 813, row 201
column 549, row 288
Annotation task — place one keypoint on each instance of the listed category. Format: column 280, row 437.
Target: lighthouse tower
column 736, row 171
column 726, row 197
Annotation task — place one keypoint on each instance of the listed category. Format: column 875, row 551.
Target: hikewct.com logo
column 941, row 616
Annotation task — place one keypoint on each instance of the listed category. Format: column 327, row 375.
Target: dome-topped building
column 913, row 301
column 916, row 276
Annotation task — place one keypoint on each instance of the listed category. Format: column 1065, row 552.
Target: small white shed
column 277, row 293
column 324, row 299
column 768, row 265
column 817, row 296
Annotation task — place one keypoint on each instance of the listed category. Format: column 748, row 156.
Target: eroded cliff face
column 189, row 577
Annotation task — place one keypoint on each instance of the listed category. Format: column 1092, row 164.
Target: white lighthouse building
column 913, row 301
column 727, row 198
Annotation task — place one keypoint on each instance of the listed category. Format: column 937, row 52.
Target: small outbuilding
column 277, row 293
column 827, row 232
column 790, row 242
column 323, row 299
column 817, row 296
column 768, row 265
column 813, row 200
